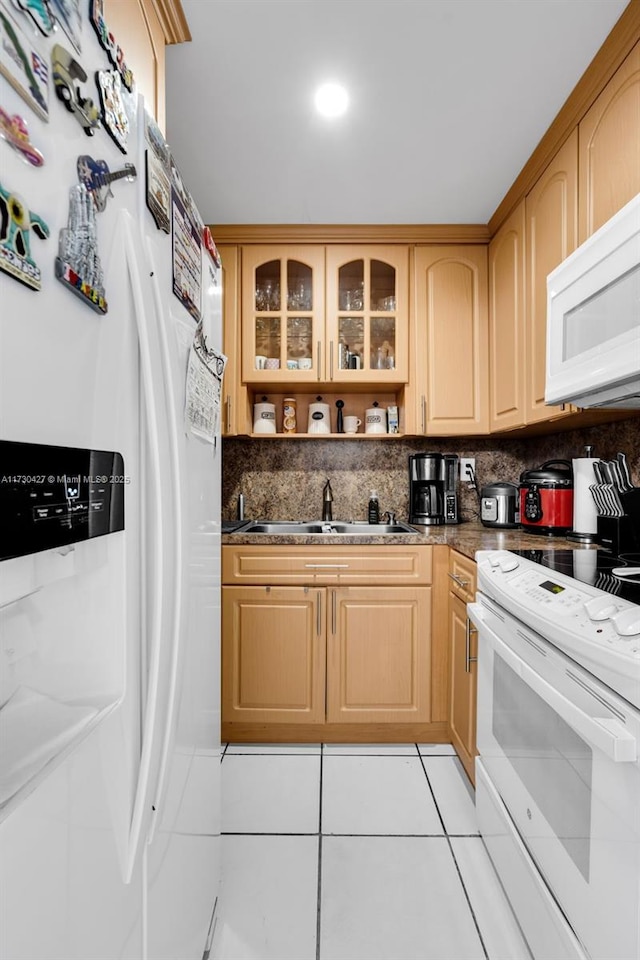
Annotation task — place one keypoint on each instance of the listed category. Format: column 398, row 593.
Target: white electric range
column 558, row 772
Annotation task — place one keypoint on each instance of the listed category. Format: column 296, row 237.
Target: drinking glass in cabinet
column 383, row 286
column 268, row 336
column 299, row 338
column 299, row 297
column 383, row 343
column 268, row 296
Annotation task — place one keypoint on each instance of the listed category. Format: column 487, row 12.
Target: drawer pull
column 459, row 580
column 333, row 613
column 319, row 615
column 326, row 566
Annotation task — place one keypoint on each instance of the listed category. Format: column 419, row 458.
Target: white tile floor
column 356, row 852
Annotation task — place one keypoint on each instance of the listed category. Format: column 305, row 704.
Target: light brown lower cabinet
column 378, row 654
column 375, row 643
column 273, row 655
column 341, row 650
column 464, row 652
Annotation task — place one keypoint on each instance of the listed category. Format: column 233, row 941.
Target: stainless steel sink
column 354, row 528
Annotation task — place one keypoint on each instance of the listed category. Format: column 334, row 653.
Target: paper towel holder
column 584, row 510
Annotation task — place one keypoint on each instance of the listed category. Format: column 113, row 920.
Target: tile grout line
column 462, row 883
column 319, row 905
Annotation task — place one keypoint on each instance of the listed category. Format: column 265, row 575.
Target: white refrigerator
column 109, row 644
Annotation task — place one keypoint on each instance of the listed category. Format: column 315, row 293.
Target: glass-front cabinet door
column 282, row 313
column 367, row 319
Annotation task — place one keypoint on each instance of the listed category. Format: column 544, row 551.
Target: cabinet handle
column 468, row 659
column 331, row 360
column 563, row 407
column 319, row 615
column 327, row 566
column 229, row 413
column 424, row 413
column 319, row 359
column 459, row 580
column 333, row 613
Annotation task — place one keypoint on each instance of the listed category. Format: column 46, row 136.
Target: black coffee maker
column 433, row 488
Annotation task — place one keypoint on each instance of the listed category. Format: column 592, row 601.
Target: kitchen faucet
column 327, row 500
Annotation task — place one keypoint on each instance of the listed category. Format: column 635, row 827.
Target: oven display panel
column 552, row 587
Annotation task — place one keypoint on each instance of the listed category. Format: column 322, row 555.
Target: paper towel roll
column 585, row 515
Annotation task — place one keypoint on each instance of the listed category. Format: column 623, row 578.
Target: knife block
column 622, row 534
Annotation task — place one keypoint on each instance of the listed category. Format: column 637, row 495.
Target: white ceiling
column 448, row 100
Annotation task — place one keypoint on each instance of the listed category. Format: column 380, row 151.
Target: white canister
column 264, row 417
column 319, row 418
column 375, row 420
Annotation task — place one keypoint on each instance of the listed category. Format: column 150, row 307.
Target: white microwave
column 593, row 318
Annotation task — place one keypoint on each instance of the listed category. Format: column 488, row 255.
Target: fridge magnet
column 68, row 74
column 114, row 114
column 14, row 130
column 23, row 66
column 16, row 220
column 187, row 257
column 97, row 178
column 67, row 14
column 210, row 246
column 203, row 389
column 158, row 192
column 158, row 156
column 78, row 265
column 40, row 14
column 107, row 41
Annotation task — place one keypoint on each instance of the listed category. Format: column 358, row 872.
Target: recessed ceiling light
column 331, row 100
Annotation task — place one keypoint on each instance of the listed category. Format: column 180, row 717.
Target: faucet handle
column 390, row 516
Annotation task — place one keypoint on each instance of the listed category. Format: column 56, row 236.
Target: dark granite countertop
column 464, row 537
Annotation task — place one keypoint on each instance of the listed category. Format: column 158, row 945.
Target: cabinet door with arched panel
column 282, row 314
column 367, row 313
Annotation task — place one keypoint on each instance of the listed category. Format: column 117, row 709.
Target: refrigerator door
column 184, row 841
column 125, row 625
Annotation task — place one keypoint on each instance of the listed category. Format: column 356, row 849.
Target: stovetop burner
column 594, row 567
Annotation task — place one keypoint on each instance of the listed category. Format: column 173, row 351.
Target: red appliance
column 546, row 498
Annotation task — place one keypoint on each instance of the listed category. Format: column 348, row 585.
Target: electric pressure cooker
column 499, row 505
column 546, row 498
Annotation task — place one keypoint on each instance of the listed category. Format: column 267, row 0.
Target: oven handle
column 608, row 735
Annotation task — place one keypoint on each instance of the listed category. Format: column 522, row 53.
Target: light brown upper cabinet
column 506, row 323
column 451, row 320
column 367, row 316
column 552, row 231
column 282, row 313
column 143, row 28
column 307, row 309
column 235, row 400
column 609, row 145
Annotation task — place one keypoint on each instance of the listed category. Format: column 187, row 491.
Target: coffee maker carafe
column 433, row 497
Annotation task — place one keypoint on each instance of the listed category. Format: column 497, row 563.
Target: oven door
column 562, row 752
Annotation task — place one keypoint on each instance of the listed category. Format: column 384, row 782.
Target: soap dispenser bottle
column 374, row 508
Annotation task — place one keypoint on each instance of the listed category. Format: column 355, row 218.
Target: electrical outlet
column 467, row 469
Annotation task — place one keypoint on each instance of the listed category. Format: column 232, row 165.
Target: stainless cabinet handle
column 319, row 615
column 229, row 413
column 319, row 359
column 327, row 566
column 423, row 403
column 333, row 613
column 331, row 360
column 468, row 659
column 459, row 580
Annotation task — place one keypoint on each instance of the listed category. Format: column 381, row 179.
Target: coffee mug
column 272, row 364
column 260, row 362
column 292, row 364
column 351, row 424
column 305, row 363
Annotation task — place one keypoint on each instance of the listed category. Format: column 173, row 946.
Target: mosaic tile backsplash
column 282, row 479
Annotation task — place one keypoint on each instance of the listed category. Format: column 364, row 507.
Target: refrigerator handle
column 176, row 585
column 142, row 801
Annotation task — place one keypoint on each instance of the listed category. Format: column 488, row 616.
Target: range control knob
column 600, row 608
column 627, row 622
column 509, row 563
